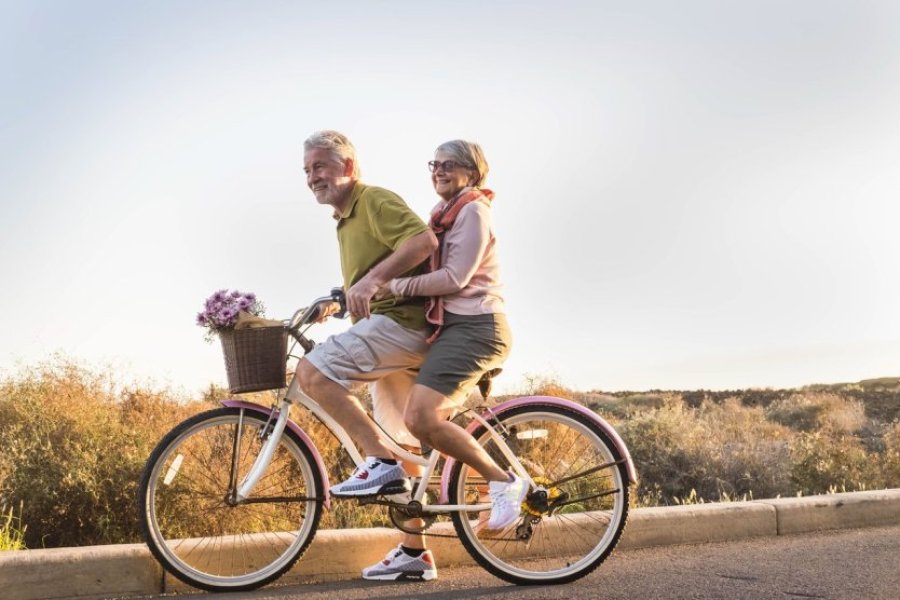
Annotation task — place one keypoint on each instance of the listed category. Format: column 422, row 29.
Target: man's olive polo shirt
column 374, row 224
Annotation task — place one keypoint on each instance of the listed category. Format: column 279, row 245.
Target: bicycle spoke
column 212, row 543
column 570, row 531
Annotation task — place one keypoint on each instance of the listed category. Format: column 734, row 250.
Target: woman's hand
column 383, row 292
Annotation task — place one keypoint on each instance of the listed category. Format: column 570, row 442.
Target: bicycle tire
column 201, row 539
column 564, row 544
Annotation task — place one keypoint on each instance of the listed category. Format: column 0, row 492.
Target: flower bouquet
column 255, row 349
column 220, row 311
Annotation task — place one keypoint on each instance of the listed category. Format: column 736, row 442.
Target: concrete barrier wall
column 130, row 570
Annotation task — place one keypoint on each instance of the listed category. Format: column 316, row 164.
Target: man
column 380, row 238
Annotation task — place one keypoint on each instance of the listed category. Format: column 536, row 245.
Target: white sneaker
column 373, row 477
column 400, row 565
column 507, row 497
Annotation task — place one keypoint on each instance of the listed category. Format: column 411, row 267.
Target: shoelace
column 499, row 496
column 390, row 556
column 364, row 468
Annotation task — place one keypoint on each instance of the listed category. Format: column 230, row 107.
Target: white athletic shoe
column 400, row 565
column 507, row 497
column 374, row 477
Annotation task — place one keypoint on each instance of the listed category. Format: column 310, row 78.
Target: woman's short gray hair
column 337, row 143
column 468, row 154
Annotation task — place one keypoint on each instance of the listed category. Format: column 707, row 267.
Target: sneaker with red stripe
column 398, row 565
column 373, row 477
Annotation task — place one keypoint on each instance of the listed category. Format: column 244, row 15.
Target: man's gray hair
column 468, row 154
column 336, row 143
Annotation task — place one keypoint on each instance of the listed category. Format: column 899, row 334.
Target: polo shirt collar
column 358, row 188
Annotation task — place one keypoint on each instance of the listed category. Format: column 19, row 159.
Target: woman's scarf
column 442, row 219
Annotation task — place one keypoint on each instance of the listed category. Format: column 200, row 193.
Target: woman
column 471, row 337
column 472, row 334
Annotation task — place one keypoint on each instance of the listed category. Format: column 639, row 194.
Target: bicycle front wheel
column 570, row 521
column 192, row 524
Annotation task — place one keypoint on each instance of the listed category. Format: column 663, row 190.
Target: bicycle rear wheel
column 196, row 531
column 571, row 521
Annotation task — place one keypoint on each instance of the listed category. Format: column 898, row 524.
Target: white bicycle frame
column 295, row 395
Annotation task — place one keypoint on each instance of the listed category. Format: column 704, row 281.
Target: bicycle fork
column 271, row 435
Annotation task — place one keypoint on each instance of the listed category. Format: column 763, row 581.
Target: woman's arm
column 408, row 254
column 463, row 251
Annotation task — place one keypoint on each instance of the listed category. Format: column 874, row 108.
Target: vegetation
column 73, row 443
column 12, row 531
column 708, row 446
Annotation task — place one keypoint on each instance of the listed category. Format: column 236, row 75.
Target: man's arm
column 409, row 254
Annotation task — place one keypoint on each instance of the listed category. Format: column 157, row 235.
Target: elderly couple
column 421, row 337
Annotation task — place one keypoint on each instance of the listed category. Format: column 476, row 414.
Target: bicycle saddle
column 485, row 383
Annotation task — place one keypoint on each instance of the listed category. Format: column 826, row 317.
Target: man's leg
column 371, row 349
column 343, row 407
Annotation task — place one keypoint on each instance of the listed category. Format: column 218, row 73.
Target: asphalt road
column 858, row 564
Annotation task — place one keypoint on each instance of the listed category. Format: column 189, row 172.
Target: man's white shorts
column 380, row 352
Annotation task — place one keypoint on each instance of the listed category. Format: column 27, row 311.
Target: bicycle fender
column 235, row 403
column 568, row 404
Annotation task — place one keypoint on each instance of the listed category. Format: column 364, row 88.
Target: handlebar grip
column 337, row 294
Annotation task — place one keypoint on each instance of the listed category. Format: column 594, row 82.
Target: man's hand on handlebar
column 359, row 296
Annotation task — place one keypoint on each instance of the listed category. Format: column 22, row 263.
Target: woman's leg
column 426, row 417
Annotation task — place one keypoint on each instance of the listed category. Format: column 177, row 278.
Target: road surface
column 857, row 564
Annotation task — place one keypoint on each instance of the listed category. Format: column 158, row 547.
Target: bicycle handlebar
column 311, row 313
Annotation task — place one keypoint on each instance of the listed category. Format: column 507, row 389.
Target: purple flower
column 222, row 307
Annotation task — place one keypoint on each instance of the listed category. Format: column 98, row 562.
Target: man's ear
column 348, row 167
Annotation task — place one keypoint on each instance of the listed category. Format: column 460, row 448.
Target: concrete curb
column 130, row 570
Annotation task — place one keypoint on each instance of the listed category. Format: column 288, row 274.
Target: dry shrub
column 890, row 458
column 73, row 443
column 832, row 460
column 717, row 450
column 813, row 411
column 71, row 451
column 538, row 385
column 619, row 408
column 827, row 461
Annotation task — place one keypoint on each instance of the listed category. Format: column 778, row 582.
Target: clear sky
column 691, row 194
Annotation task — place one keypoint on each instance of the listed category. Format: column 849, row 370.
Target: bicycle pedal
column 404, row 497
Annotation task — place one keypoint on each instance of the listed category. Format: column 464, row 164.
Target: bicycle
column 231, row 498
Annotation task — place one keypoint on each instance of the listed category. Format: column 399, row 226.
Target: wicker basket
column 255, row 359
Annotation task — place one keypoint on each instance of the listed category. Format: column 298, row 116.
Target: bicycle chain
column 393, row 506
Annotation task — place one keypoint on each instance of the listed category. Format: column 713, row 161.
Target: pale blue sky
column 693, row 194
